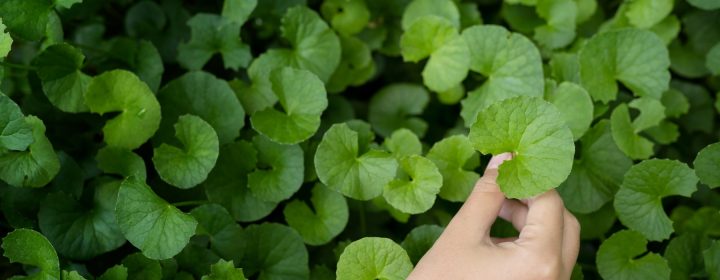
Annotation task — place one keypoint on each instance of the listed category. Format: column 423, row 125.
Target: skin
column 546, row 248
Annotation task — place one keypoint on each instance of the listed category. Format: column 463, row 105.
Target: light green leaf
column 285, row 173
column 15, row 133
column 238, row 11
column 627, row 140
column 597, row 174
column 684, row 255
column 373, row 258
column 559, row 29
column 426, row 35
column 638, row 203
column 455, row 158
column 535, row 132
column 224, row 270
column 415, row 190
column 26, row 19
column 71, row 275
column 511, row 63
column 122, row 91
column 419, row 241
column 646, row 13
column 67, row 3
column 447, row 66
column 188, row 166
column 36, row 166
column 227, row 183
column 565, row 67
column 711, row 256
column 618, row 258
column 224, row 233
column 395, row 106
column 204, row 95
column 637, row 58
column 707, row 165
column 574, row 104
column 675, row 103
column 668, row 29
column 211, row 34
column 302, row 97
column 356, row 66
column 5, row 41
column 117, row 272
column 651, row 113
column 348, row 17
column 82, row 231
column 340, row 166
column 274, row 252
column 664, row 133
column 417, row 9
column 324, row 221
column 29, row 247
column 151, row 224
column 705, row 4
column 64, row 84
column 403, row 142
column 121, row 162
column 712, row 59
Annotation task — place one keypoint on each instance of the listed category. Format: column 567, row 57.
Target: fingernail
column 497, row 160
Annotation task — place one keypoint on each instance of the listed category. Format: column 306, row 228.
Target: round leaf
column 224, row 233
column 121, row 162
column 211, row 34
column 348, row 17
column 393, row 108
column 575, row 106
column 419, row 241
column 285, row 173
column 707, row 165
column 455, row 158
column 15, row 133
column 27, row 19
column 626, row 137
column 63, row 83
column 321, row 225
column 617, row 258
column 36, row 166
column 29, row 247
column 373, row 258
column 417, row 9
column 417, row 193
column 274, row 252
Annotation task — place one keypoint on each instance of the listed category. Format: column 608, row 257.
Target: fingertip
column 497, row 160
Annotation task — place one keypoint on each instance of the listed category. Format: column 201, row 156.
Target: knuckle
column 549, row 269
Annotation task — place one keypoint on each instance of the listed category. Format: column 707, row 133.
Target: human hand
column 547, row 247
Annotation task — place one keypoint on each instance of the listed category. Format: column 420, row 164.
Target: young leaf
column 626, row 137
column 340, row 166
column 122, row 91
column 238, row 11
column 707, row 165
column 417, row 9
column 26, row 19
column 510, row 62
column 5, row 41
column 638, row 203
column 151, row 224
column 535, row 132
column 303, row 99
column 394, row 107
column 455, row 158
column 63, row 83
column 29, row 247
column 402, row 143
column 374, row 258
column 189, row 166
column 419, row 240
column 213, row 34
column 617, row 258
column 224, row 270
column 356, row 65
column 121, row 162
column 575, row 106
column 675, row 103
column 203, row 95
column 280, row 170
column 415, row 192
column 348, row 17
column 651, row 113
column 637, row 58
column 560, row 17
column 646, row 13
column 36, row 166
column 321, row 223
column 15, row 133
column 224, row 233
column 274, row 252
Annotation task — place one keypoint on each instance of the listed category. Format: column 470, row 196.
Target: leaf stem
column 17, row 66
column 189, row 203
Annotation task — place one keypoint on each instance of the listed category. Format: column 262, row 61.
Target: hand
column 547, row 247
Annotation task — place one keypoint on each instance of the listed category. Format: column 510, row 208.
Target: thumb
column 481, row 208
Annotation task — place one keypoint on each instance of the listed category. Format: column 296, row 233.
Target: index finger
column 544, row 223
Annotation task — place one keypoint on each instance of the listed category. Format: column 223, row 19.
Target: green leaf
column 138, row 56
column 540, row 141
column 280, row 170
column 36, row 166
column 638, row 203
column 356, row 65
column 211, row 34
column 274, row 252
column 302, row 97
column 117, row 272
column 63, row 83
column 227, row 183
column 5, row 41
column 712, row 60
column 651, row 113
column 675, row 103
column 559, row 29
column 415, row 190
column 140, row 267
column 707, row 164
column 71, row 275
column 705, row 4
column 403, row 142
column 15, row 133
column 701, row 116
column 78, row 230
column 324, row 221
column 348, row 17
column 419, row 240
column 190, row 165
column 684, row 255
column 373, row 258
column 574, row 104
column 395, row 107
column 26, row 19
column 626, row 137
column 637, row 58
column 712, row 260
column 565, row 67
column 340, row 166
column 238, row 11
column 151, row 224
column 417, row 9
column 29, row 247
column 67, row 3
column 203, row 95
column 122, row 91
column 705, row 221
column 121, row 162
column 646, row 13
column 455, row 158
column 597, row 174
column 224, row 233
column 595, row 225
column 664, row 133
column 618, row 258
column 511, row 63
column 224, row 270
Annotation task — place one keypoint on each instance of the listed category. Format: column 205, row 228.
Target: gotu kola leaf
column 626, row 136
column 274, row 252
column 190, row 165
column 280, row 170
column 15, row 133
column 224, row 233
column 707, row 165
column 303, row 99
column 415, row 190
column 34, row 167
column 29, row 247
column 63, row 83
column 535, row 132
column 340, row 166
column 213, row 34
column 394, row 107
column 445, row 9
column 575, row 106
column 5, row 41
column 373, row 258
column 455, row 158
column 151, row 224
column 419, row 240
column 121, row 162
column 224, row 270
column 327, row 220
column 617, row 258
column 638, row 202
column 402, row 143
column 26, row 19
column 122, row 91
column 238, row 10
column 348, row 17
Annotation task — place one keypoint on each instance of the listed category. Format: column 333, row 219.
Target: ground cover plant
column 322, row 139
